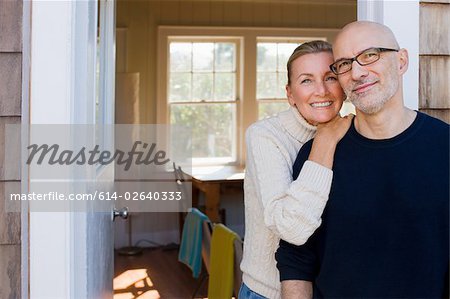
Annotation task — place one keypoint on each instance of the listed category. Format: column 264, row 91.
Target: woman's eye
column 331, row 79
column 305, row 81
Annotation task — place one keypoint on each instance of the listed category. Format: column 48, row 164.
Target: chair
column 238, row 252
column 206, row 250
column 192, row 241
column 180, row 181
column 206, row 257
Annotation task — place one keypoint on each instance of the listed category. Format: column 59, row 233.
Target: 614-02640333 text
column 99, row 195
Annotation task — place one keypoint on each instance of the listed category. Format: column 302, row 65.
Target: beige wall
column 434, row 59
column 141, row 19
column 10, row 113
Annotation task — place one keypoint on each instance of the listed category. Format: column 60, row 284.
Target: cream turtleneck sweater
column 275, row 206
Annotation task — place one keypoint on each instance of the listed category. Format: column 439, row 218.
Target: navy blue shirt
column 385, row 229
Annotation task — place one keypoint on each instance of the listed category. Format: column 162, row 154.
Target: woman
column 275, row 205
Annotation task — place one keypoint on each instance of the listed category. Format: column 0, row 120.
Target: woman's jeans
column 246, row 293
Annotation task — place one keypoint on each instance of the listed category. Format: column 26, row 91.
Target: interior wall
column 141, row 20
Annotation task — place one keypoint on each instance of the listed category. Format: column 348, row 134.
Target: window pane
column 203, row 56
column 267, row 57
column 224, row 57
column 266, row 86
column 271, row 108
column 202, row 86
column 180, row 87
column 224, row 86
column 281, row 85
column 284, row 52
column 180, row 57
column 213, row 128
column 272, row 59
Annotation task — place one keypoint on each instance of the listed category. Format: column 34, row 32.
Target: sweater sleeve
column 296, row 262
column 292, row 209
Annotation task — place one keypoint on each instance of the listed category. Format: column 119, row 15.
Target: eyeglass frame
column 351, row 60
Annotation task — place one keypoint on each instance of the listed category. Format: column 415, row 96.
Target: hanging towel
column 191, row 241
column 221, row 263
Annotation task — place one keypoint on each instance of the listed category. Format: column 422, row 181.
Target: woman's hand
column 335, row 129
column 327, row 137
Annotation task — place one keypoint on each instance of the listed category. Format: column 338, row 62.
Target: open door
column 72, row 73
column 99, row 225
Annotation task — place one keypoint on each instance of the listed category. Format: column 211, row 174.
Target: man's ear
column 289, row 95
column 404, row 61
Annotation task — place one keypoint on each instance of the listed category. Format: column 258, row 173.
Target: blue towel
column 191, row 241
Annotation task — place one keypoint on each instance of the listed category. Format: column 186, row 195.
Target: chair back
column 206, row 243
column 238, row 252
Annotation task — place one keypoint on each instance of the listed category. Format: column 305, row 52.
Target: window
column 202, row 95
column 218, row 81
column 271, row 75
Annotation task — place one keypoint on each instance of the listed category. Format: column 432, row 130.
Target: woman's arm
column 296, row 289
column 327, row 137
column 292, row 209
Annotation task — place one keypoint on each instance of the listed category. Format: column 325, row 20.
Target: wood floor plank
column 154, row 274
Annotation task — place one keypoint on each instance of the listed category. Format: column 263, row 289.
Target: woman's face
column 314, row 89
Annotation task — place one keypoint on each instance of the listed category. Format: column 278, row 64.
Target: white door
column 72, row 73
column 100, row 229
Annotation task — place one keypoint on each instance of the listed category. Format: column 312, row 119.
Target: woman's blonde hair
column 315, row 46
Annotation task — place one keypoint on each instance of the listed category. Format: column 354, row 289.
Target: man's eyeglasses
column 364, row 58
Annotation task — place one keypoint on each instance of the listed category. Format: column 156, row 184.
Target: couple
column 363, row 208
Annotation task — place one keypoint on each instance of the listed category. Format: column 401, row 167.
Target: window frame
column 237, row 94
column 247, row 104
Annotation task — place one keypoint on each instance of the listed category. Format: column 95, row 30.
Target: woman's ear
column 404, row 61
column 289, row 95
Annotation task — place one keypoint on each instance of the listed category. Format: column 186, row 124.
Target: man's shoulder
column 434, row 128
column 433, row 122
column 302, row 156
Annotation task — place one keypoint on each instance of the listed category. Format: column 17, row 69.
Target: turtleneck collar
column 296, row 125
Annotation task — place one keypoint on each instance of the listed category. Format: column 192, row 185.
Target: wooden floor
column 156, row 273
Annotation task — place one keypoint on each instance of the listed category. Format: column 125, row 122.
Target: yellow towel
column 221, row 263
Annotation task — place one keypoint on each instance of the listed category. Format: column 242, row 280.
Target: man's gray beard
column 374, row 103
column 372, row 107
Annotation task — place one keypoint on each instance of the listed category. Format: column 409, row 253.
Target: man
column 385, row 230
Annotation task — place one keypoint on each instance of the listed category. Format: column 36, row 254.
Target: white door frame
column 51, row 87
column 60, row 46
column 403, row 17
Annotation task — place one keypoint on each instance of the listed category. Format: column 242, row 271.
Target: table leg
column 212, row 201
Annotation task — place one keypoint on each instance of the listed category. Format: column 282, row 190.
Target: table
column 209, row 180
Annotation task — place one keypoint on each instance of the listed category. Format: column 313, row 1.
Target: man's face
column 367, row 87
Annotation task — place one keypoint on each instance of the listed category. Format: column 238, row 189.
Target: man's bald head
column 361, row 35
column 369, row 86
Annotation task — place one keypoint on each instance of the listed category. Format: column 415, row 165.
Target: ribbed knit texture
column 276, row 206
